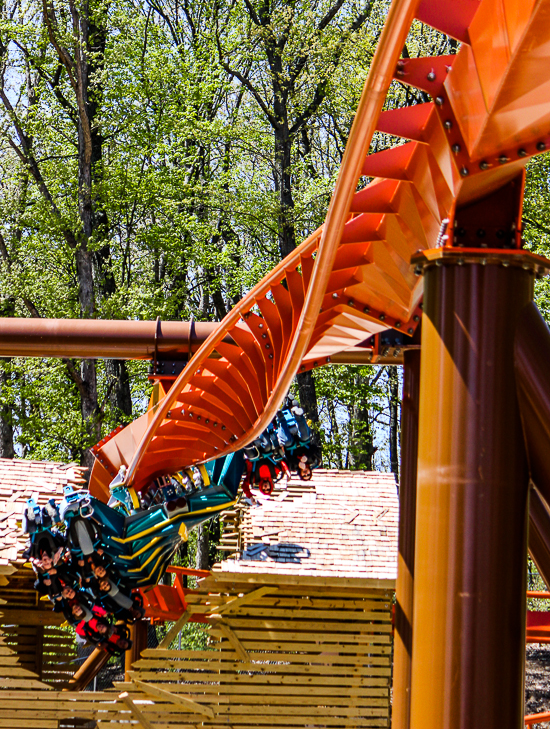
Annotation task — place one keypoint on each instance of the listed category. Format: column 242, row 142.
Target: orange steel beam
column 94, row 338
column 258, row 379
column 140, row 340
column 402, row 650
column 532, row 719
column 176, row 570
column 383, row 64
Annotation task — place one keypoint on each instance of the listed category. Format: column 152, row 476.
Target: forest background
column 157, row 158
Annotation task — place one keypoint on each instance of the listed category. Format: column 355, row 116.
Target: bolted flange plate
column 447, row 256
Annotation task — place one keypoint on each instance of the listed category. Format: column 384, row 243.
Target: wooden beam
column 245, row 599
column 175, row 629
column 31, row 617
column 174, row 698
column 142, row 719
column 303, row 581
column 232, row 638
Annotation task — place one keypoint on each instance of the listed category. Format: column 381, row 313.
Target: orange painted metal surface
column 532, row 719
column 538, row 626
column 351, row 278
column 167, row 602
column 404, row 592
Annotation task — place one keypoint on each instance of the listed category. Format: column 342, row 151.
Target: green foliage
column 354, row 417
column 193, row 636
column 535, row 583
column 219, row 130
column 536, row 221
column 185, row 189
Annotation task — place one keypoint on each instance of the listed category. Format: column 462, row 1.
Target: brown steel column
column 138, row 635
column 88, row 670
column 472, row 494
column 532, row 357
column 402, row 650
column 118, row 339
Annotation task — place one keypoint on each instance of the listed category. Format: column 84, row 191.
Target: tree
column 157, row 158
column 292, row 52
column 60, row 68
column 355, row 406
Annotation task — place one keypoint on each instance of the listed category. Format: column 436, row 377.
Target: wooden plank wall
column 32, row 629
column 49, row 651
column 300, row 652
column 28, row 703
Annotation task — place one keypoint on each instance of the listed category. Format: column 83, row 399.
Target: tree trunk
column 361, row 445
column 308, row 401
column 361, row 448
column 393, row 379
column 89, row 408
column 283, row 185
column 203, row 544
column 6, row 414
column 335, row 434
column 118, row 382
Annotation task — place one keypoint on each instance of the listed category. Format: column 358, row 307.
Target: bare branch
column 65, row 57
column 330, row 15
column 74, row 374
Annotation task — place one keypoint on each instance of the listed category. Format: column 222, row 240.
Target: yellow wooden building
column 298, row 619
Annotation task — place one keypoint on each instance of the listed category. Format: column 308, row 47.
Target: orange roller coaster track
column 353, row 276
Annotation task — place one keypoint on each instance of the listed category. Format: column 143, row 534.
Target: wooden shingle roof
column 19, row 480
column 339, row 524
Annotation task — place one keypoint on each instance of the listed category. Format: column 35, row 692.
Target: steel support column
column 472, row 494
column 402, row 650
column 88, row 670
column 138, row 635
column 532, row 354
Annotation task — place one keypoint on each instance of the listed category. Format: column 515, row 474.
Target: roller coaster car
column 285, row 446
column 141, row 544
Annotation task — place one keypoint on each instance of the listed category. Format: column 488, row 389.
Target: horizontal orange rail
column 537, row 718
column 188, row 571
column 540, row 595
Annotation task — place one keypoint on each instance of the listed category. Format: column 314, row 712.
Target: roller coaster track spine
column 324, row 241
column 353, row 277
